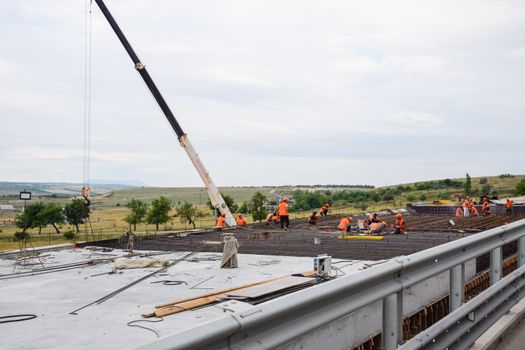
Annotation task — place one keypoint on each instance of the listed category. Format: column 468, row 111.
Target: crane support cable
column 88, row 55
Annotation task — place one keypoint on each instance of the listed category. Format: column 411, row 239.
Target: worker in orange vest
column 240, row 220
column 399, row 225
column 473, row 210
column 272, row 218
column 344, row 224
column 220, row 221
column 459, row 211
column 282, row 210
column 508, row 207
column 324, row 210
column 485, row 209
column 466, row 207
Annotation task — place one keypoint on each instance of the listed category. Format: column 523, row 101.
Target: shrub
column 69, row 235
column 21, row 235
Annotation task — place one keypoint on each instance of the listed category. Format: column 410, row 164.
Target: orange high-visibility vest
column 241, row 221
column 283, row 209
column 220, row 221
column 459, row 212
column 508, row 204
column 343, row 224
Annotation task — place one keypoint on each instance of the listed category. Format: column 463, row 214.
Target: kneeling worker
column 240, row 220
column 344, row 224
column 312, row 219
column 399, row 225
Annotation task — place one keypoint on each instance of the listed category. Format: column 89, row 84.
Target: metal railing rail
column 279, row 321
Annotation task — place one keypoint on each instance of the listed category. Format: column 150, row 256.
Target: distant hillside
column 54, row 189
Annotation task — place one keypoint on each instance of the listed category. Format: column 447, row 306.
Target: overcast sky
column 269, row 92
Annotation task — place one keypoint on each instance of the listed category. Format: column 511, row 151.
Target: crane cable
column 88, row 55
column 88, row 81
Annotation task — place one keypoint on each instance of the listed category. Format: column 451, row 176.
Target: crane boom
column 215, row 197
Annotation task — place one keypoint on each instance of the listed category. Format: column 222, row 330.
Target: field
column 109, row 206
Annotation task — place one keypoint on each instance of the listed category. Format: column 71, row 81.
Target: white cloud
column 294, row 85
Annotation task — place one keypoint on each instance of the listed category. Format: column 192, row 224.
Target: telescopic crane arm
column 213, row 192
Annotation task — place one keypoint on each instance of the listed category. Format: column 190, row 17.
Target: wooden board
column 270, row 287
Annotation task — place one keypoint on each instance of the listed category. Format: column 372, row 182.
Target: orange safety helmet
column 399, row 215
column 239, row 215
column 327, row 205
column 350, row 219
column 285, row 199
column 223, row 214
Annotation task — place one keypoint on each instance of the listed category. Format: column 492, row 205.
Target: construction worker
column 373, row 219
column 344, row 224
column 473, row 210
column 459, row 211
column 220, row 221
column 324, row 210
column 272, row 218
column 240, row 220
column 312, row 219
column 466, row 206
column 376, row 227
column 399, row 225
column 485, row 209
column 508, row 207
column 282, row 210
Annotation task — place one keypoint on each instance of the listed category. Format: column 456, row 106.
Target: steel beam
column 392, row 320
column 521, row 251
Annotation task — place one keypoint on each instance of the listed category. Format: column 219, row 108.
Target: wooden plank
column 270, row 287
column 217, row 293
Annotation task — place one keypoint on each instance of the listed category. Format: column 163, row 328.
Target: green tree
column 188, row 213
column 31, row 217
column 53, row 215
column 74, row 212
column 159, row 212
column 244, row 208
column 485, row 189
column 138, row 212
column 376, row 197
column 520, row 188
column 468, row 185
column 257, row 206
column 230, row 202
column 388, row 195
column 423, row 197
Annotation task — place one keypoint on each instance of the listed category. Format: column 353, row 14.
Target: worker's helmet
column 350, row 219
column 371, row 217
column 223, row 214
column 239, row 215
column 399, row 215
column 285, row 199
column 327, row 205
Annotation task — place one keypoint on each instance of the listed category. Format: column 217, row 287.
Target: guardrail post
column 495, row 265
column 392, row 320
column 457, row 285
column 521, row 251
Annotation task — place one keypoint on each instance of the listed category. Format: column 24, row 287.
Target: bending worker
column 282, row 210
column 344, row 224
column 399, row 225
column 324, row 210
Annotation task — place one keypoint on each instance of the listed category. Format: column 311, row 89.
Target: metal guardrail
column 279, row 321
